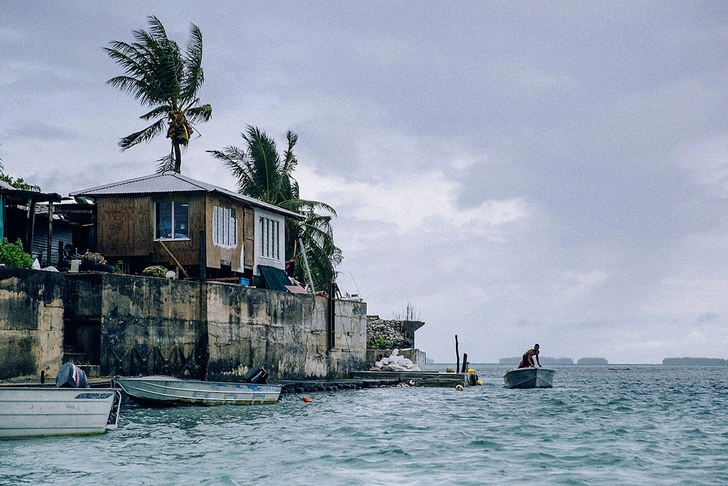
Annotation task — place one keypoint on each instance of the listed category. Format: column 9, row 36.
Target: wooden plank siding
column 125, row 226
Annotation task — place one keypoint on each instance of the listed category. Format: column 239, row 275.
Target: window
column 171, row 220
column 269, row 238
column 224, row 226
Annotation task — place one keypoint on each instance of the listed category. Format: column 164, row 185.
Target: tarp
column 275, row 278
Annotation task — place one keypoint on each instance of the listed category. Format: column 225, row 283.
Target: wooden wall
column 126, row 230
column 125, row 227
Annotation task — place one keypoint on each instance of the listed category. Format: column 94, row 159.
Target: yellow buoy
column 471, row 370
column 479, row 382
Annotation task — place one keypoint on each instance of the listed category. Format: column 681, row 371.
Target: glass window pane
column 181, row 226
column 164, row 220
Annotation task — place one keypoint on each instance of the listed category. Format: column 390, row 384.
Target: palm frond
column 235, row 160
column 166, row 163
column 159, row 111
column 301, row 205
column 142, row 135
column 194, row 75
column 199, row 113
column 263, row 165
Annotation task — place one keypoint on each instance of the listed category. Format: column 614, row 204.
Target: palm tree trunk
column 177, row 157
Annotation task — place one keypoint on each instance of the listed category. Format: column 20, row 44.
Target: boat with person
column 530, row 377
column 162, row 390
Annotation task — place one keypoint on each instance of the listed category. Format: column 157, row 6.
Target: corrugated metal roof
column 167, row 182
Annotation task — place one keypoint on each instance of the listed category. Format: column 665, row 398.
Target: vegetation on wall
column 13, row 255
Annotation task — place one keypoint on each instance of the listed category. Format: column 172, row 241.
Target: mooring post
column 465, row 363
column 457, row 354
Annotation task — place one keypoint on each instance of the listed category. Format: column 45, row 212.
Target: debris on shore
column 394, row 362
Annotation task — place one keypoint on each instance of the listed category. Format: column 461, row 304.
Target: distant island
column 592, row 361
column 695, row 362
column 545, row 360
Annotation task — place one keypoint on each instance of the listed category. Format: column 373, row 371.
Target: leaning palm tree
column 161, row 77
column 263, row 174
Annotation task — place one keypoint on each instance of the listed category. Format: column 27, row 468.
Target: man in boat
column 527, row 361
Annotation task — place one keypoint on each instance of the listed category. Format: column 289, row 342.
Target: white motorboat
column 531, row 377
column 43, row 411
column 167, row 390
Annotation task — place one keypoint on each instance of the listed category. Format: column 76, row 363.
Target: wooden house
column 198, row 229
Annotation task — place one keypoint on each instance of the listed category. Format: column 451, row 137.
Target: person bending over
column 527, row 361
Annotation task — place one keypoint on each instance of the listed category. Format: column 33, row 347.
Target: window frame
column 270, row 238
column 224, row 226
column 175, row 206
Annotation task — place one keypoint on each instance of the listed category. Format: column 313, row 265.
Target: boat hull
column 40, row 411
column 529, row 378
column 166, row 390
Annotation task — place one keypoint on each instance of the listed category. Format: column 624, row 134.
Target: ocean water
column 599, row 425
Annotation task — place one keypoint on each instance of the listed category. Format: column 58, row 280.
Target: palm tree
column 161, row 77
column 263, row 174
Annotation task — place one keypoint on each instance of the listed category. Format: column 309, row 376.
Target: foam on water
column 642, row 425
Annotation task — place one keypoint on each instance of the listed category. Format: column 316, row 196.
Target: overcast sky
column 519, row 172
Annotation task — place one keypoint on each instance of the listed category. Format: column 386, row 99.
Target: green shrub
column 155, row 271
column 13, row 255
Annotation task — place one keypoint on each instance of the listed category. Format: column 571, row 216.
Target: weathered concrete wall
column 31, row 322
column 130, row 325
column 285, row 333
column 214, row 330
column 349, row 353
column 147, row 325
column 254, row 326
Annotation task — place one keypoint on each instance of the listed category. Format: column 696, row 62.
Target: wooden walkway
column 377, row 379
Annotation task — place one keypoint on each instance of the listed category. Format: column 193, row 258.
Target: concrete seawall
column 128, row 325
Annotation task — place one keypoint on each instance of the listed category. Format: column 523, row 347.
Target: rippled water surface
column 642, row 425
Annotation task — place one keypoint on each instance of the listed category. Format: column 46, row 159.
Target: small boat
column 42, row 411
column 167, row 390
column 529, row 378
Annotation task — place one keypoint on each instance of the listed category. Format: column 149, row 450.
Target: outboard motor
column 256, row 374
column 71, row 376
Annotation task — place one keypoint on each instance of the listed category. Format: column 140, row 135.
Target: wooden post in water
column 457, row 354
column 465, row 363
